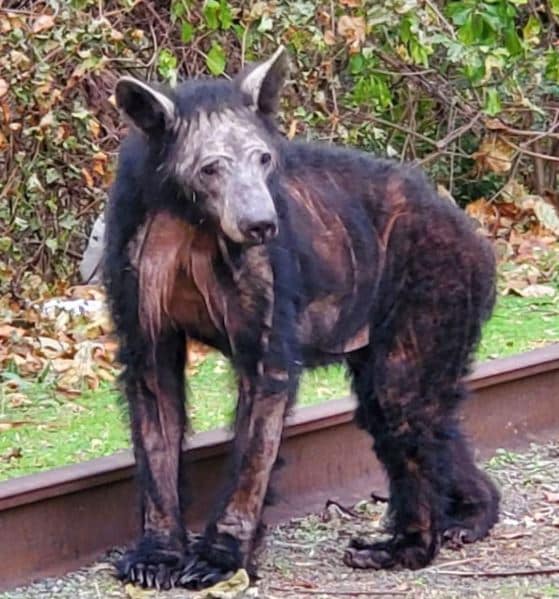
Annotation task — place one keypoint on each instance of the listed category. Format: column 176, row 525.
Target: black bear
column 284, row 255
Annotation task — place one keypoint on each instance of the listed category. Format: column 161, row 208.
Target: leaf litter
column 524, row 229
column 66, row 338
column 303, row 557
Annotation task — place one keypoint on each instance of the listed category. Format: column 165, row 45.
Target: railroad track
column 59, row 520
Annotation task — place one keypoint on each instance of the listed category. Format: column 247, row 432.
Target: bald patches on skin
column 330, row 239
column 333, row 244
column 397, row 200
column 156, row 255
column 235, row 192
column 176, row 277
column 220, row 133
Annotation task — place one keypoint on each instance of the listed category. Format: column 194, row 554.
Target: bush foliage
column 469, row 89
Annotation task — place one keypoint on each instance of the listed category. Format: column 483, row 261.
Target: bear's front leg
column 230, row 537
column 156, row 398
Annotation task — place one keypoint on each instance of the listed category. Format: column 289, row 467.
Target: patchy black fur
column 405, row 266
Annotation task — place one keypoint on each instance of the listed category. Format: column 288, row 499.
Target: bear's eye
column 265, row 158
column 209, row 169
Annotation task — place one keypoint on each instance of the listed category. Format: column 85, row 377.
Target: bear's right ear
column 150, row 110
column 263, row 82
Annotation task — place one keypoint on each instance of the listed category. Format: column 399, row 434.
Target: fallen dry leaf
column 329, row 38
column 547, row 215
column 51, row 348
column 5, row 24
column 19, row 59
column 46, row 121
column 494, row 124
column 493, row 155
column 536, row 290
column 93, row 292
column 42, row 23
column 7, row 330
column 292, row 132
column 88, row 179
column 509, row 536
column 3, row 87
column 134, row 592
column 323, row 17
column 106, row 374
column 551, row 496
column 99, row 164
column 483, row 211
column 227, row 589
column 27, row 364
column 352, row 29
column 197, row 351
column 61, row 364
column 116, row 36
column 16, row 400
column 7, row 425
column 13, row 453
column 94, row 128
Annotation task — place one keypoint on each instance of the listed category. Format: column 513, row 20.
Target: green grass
column 58, row 431
column 519, row 324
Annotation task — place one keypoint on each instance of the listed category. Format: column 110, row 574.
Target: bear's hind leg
column 473, row 506
column 403, row 413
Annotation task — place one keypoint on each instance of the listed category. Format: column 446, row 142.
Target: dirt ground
column 304, row 557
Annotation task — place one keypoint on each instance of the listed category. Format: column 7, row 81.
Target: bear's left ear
column 262, row 82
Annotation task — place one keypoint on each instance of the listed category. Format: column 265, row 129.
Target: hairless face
column 221, row 150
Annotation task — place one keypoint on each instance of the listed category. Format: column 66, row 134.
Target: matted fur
column 285, row 255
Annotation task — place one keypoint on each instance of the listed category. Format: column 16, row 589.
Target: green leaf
column 405, row 30
column 52, row 175
column 5, row 243
column 33, row 184
column 467, row 33
column 225, row 15
column 167, row 65
column 532, row 30
column 512, row 42
column 68, row 222
column 483, row 27
column 356, row 64
column 552, row 66
column 458, row 12
column 373, row 91
column 187, row 32
column 266, row 24
column 215, row 60
column 178, row 10
column 493, row 62
column 81, row 114
column 210, row 12
column 52, row 244
column 474, row 69
column 492, row 102
column 493, row 22
column 455, row 51
column 555, row 7
column 420, row 52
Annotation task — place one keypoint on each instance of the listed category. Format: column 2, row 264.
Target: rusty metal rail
column 58, row 520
